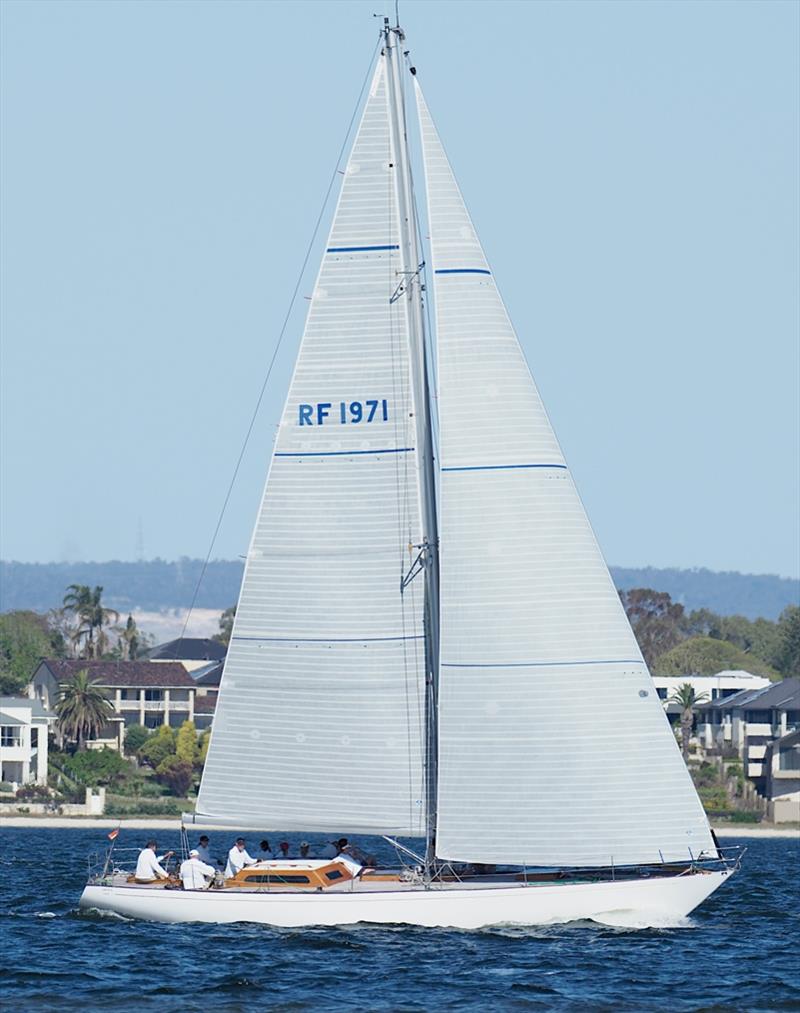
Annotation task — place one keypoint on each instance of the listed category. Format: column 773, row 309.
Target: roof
column 209, row 675
column 36, row 705
column 8, row 719
column 188, row 649
column 161, row 674
column 780, row 695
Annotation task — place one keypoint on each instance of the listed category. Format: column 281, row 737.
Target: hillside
column 157, row 585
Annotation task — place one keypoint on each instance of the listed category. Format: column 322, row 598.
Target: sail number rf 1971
column 343, row 413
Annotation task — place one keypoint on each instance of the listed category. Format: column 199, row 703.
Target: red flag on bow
column 113, row 835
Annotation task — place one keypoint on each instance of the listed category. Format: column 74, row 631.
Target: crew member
column 148, row 865
column 304, row 849
column 238, row 858
column 204, row 850
column 196, row 874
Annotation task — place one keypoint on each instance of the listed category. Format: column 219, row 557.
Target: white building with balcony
column 709, row 687
column 747, row 723
column 141, row 692
column 23, row 740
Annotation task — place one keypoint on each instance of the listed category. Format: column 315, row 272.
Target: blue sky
column 632, row 171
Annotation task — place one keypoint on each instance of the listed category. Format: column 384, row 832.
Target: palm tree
column 686, row 698
column 83, row 709
column 86, row 605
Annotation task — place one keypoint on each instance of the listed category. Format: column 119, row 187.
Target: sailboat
column 428, row 643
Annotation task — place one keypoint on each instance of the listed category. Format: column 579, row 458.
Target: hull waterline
column 642, row 902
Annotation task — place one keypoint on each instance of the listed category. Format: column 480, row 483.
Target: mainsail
column 554, row 748
column 319, row 724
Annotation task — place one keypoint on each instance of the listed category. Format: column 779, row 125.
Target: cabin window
column 335, row 874
column 288, row 878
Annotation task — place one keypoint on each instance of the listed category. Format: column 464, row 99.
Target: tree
column 186, row 743
column 86, row 605
column 135, row 738
column 158, row 747
column 83, row 709
column 129, row 640
column 656, row 620
column 788, row 653
column 176, row 774
column 226, row 626
column 686, row 698
column 202, row 749
column 25, row 638
column 707, row 656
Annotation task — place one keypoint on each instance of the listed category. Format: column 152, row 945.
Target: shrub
column 132, row 807
column 157, row 749
column 33, row 793
column 186, row 743
column 95, row 766
column 202, row 748
column 177, row 774
column 744, row 816
column 135, row 738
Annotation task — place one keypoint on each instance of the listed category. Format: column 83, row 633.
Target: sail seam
column 359, row 249
column 325, row 640
column 540, row 664
column 504, row 467
column 462, row 270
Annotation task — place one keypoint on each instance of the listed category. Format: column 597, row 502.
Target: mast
column 410, row 289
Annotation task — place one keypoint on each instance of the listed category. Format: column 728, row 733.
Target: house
column 193, row 652
column 782, row 778
column 207, row 680
column 747, row 722
column 708, row 687
column 146, row 693
column 23, row 740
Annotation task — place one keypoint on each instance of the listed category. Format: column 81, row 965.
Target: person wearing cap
column 148, row 865
column 305, row 847
column 204, row 850
column 238, row 859
column 195, row 873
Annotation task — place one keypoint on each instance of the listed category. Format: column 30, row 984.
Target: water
column 738, row 952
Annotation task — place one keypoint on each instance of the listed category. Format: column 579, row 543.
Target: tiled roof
column 161, row 674
column 188, row 649
column 209, row 675
column 784, row 695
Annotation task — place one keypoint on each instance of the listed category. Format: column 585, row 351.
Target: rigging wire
column 281, row 334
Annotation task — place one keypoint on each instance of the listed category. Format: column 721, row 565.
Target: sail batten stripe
column 539, row 664
column 342, row 453
column 503, row 467
column 360, row 249
column 461, row 270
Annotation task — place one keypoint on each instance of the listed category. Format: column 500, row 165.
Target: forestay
column 319, row 720
column 553, row 746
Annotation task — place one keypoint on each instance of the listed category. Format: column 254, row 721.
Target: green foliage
column 706, row 656
column 177, row 774
column 94, row 766
column 706, row 775
column 655, row 618
column 120, row 806
column 25, row 638
column 86, row 605
column 83, row 708
column 788, row 652
column 33, row 793
column 186, row 743
column 225, row 625
column 202, row 748
column 135, row 738
column 744, row 816
column 158, row 747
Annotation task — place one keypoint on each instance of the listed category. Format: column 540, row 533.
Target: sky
column 632, row 171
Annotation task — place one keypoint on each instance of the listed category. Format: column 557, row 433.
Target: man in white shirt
column 238, row 859
column 195, row 874
column 148, row 866
column 204, row 850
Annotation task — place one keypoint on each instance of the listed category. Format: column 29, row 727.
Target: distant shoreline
column 149, row 823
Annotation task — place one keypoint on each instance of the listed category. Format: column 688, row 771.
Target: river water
column 738, row 952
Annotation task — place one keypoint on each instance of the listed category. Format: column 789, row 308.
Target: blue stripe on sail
column 325, row 640
column 462, row 270
column 541, row 664
column 504, row 467
column 343, row 453
column 359, row 249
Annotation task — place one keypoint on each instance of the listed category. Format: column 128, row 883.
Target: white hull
column 641, row 902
